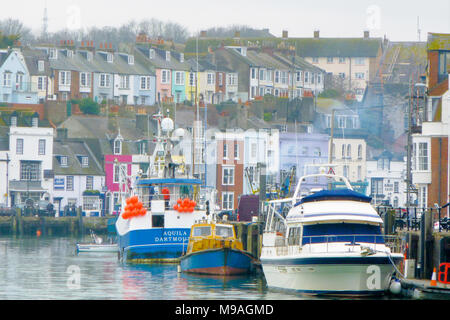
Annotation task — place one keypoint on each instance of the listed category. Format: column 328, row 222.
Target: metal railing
column 339, row 243
column 25, row 87
column 410, row 219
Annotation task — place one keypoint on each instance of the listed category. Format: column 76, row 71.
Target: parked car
column 45, row 208
column 5, row 210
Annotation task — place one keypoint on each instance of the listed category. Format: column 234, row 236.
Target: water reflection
column 38, row 268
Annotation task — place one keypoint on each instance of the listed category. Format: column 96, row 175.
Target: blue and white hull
column 164, row 245
column 142, row 242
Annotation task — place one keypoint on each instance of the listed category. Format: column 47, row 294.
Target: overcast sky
column 334, row 18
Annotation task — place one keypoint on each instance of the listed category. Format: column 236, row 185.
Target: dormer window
column 117, row 146
column 110, row 58
column 63, row 161
column 181, row 57
column 131, row 60
column 69, row 54
column 53, row 53
column 89, row 56
column 167, row 55
column 84, row 162
column 41, row 65
column 151, row 54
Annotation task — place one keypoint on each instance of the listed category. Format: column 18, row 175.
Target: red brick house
column 430, row 168
column 230, row 168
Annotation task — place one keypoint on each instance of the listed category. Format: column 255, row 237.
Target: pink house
column 163, row 84
column 113, row 165
column 164, row 65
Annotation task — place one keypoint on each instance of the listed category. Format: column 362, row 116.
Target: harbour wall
column 19, row 225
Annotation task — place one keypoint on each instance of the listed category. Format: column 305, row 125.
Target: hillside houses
column 147, row 73
column 272, row 86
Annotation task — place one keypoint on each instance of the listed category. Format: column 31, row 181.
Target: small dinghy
column 97, row 245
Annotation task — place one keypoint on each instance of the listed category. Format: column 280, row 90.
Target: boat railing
column 298, row 189
column 339, row 243
column 171, row 198
column 275, row 214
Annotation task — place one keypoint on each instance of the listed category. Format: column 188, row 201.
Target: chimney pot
column 203, row 33
column 316, row 34
column 366, row 34
column 285, row 34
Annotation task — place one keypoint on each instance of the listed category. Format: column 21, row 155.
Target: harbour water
column 48, row 268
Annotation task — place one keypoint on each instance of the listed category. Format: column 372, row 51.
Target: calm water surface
column 48, row 268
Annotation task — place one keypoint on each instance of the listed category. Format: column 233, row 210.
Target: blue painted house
column 179, row 73
column 15, row 80
column 118, row 77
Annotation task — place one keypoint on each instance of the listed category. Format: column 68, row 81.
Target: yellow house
column 191, row 85
column 205, row 74
column 351, row 61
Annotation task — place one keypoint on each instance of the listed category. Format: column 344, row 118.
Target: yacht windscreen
column 342, row 232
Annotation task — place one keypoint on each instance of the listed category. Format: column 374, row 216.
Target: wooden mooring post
column 80, row 221
column 18, row 222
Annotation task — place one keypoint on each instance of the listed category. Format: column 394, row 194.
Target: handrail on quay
column 410, row 218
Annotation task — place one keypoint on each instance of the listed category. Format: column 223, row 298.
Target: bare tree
column 14, row 27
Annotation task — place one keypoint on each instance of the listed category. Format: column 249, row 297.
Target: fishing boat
column 97, row 245
column 157, row 212
column 214, row 249
column 328, row 242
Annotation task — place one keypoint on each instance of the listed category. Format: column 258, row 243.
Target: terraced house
column 71, row 72
column 215, row 84
column 15, row 82
column 170, row 70
column 40, row 73
column 100, row 74
column 352, row 62
column 266, row 71
column 120, row 78
column 305, row 79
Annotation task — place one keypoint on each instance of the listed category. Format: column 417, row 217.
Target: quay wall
column 51, row 226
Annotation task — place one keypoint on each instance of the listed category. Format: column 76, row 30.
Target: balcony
column 25, row 87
